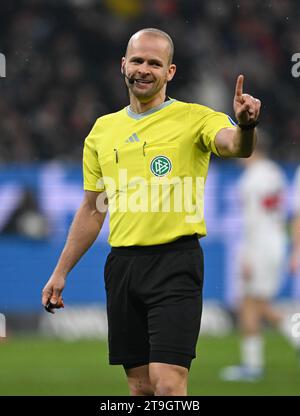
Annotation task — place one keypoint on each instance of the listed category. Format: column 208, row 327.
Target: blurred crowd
column 63, row 66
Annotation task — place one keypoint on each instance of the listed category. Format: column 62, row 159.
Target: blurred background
column 63, row 72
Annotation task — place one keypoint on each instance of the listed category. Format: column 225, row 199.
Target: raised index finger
column 239, row 86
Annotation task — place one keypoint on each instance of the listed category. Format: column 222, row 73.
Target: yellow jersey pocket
column 130, row 166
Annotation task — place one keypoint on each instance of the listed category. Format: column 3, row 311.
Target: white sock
column 252, row 352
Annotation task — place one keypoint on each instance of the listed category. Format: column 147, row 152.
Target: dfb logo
column 2, row 66
column 296, row 327
column 296, row 66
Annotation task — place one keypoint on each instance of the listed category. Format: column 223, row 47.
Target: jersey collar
column 138, row 116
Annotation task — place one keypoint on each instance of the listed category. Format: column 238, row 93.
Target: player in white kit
column 295, row 254
column 263, row 252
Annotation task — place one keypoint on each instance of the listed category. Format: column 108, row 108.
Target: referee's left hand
column 246, row 107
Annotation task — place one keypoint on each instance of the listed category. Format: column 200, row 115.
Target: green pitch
column 32, row 366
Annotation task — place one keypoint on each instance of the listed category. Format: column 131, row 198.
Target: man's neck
column 140, row 107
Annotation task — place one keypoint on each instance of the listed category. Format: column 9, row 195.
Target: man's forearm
column 244, row 142
column 83, row 232
column 235, row 142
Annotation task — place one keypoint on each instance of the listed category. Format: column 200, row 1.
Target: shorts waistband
column 185, row 242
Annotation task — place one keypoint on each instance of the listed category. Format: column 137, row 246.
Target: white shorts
column 265, row 261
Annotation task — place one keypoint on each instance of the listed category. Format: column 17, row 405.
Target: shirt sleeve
column 92, row 175
column 210, row 122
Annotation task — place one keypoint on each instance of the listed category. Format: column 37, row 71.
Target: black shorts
column 154, row 302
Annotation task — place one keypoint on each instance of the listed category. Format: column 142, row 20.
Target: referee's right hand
column 52, row 293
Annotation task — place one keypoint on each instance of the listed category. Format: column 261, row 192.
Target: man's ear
column 122, row 65
column 171, row 72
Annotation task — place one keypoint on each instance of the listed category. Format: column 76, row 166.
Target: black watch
column 248, row 126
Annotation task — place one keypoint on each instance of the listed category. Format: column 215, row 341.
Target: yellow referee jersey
column 153, row 167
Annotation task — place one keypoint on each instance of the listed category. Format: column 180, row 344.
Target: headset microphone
column 130, row 80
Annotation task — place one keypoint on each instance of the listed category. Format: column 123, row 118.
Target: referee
column 148, row 163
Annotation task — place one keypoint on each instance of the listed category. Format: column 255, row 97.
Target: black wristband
column 248, row 126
